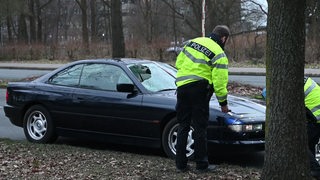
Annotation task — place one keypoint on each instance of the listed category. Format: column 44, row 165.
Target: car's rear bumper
column 13, row 114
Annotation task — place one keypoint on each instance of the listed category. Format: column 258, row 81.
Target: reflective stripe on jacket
column 202, row 58
column 312, row 97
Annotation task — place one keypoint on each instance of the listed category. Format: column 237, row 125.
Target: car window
column 102, row 77
column 91, row 76
column 153, row 77
column 67, row 77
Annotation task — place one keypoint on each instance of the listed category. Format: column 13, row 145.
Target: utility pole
column 203, row 20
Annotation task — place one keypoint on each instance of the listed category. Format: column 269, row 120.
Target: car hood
column 241, row 107
column 246, row 109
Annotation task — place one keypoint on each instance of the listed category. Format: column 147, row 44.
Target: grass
column 24, row 160
column 3, row 83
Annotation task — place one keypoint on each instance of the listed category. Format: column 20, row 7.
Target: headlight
column 246, row 127
column 238, row 126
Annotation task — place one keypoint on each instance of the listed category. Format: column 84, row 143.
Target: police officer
column 202, row 69
column 312, row 103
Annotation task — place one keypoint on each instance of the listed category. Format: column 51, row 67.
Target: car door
column 57, row 94
column 102, row 109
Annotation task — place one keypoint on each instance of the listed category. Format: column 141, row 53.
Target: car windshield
column 153, row 77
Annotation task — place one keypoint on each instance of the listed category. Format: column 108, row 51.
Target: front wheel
column 169, row 140
column 317, row 151
column 38, row 126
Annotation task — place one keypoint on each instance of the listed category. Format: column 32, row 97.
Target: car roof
column 124, row 61
column 114, row 60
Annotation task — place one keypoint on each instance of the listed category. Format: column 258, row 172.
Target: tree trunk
column 22, row 29
column 94, row 34
column 84, row 19
column 9, row 29
column 148, row 17
column 118, row 46
column 32, row 20
column 39, row 20
column 286, row 140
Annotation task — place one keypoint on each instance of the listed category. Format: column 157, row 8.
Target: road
column 258, row 81
column 16, row 74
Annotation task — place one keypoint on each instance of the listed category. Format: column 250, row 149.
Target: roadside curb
column 29, row 66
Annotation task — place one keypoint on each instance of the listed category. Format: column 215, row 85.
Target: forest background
column 82, row 29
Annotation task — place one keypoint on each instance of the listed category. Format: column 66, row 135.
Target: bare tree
column 93, row 25
column 84, row 19
column 105, row 20
column 286, row 139
column 9, row 22
column 118, row 46
column 147, row 11
column 253, row 15
column 8, row 10
column 22, row 29
column 218, row 12
column 32, row 20
column 313, row 28
column 39, row 9
column 33, row 13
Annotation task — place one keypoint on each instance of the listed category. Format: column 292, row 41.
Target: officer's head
column 222, row 31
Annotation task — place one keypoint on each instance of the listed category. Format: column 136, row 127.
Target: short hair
column 221, row 30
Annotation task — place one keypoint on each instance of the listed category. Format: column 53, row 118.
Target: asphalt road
column 258, row 81
column 16, row 74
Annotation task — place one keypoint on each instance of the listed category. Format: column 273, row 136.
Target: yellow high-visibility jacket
column 312, row 97
column 203, row 58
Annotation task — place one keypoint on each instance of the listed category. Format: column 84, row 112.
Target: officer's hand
column 225, row 109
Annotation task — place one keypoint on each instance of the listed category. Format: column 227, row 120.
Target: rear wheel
column 38, row 126
column 169, row 140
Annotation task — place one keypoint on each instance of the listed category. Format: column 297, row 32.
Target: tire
column 38, row 126
column 169, row 140
column 317, row 151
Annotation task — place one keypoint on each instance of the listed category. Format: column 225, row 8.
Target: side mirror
column 125, row 88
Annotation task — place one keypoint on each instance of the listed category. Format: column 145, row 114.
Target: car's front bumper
column 242, row 142
column 238, row 146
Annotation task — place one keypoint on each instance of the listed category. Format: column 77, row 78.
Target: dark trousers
column 313, row 138
column 193, row 109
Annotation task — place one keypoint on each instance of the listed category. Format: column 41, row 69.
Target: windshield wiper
column 167, row 89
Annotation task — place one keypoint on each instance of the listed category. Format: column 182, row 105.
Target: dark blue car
column 125, row 101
